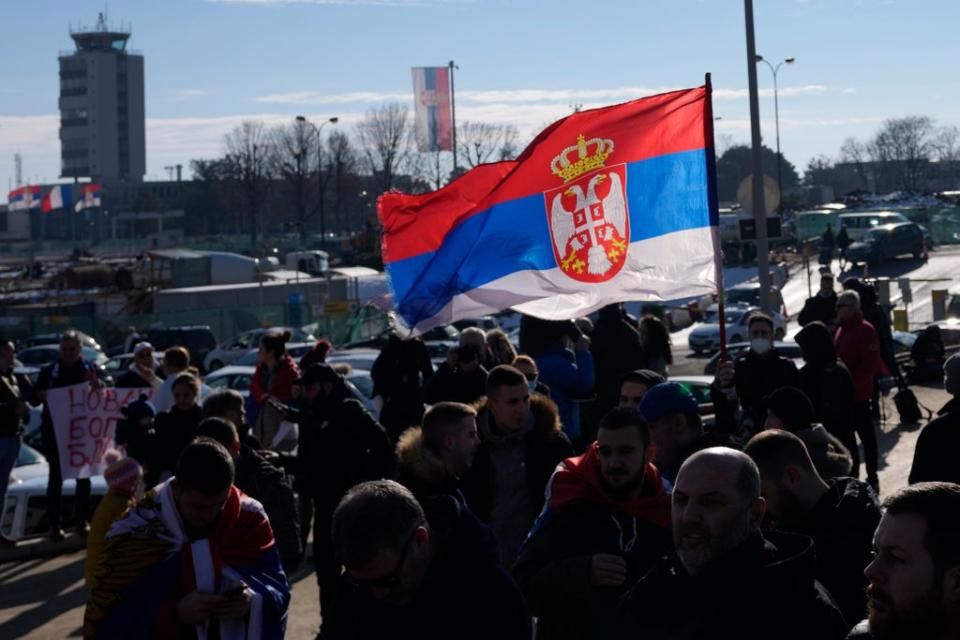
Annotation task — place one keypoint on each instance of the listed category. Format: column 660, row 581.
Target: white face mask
column 760, row 345
column 532, row 385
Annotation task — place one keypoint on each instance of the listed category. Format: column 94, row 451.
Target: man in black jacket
column 840, row 515
column 462, row 378
column 69, row 369
column 429, row 572
column 433, row 457
column 727, row 580
column 264, row 483
column 606, row 521
column 914, row 590
column 740, row 387
column 615, row 345
column 821, row 307
column 936, row 457
column 340, row 445
column 14, row 392
column 827, row 382
column 521, row 443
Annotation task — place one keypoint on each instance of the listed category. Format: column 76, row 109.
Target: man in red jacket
column 858, row 346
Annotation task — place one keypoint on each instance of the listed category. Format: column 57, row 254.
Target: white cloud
column 493, row 96
column 180, row 95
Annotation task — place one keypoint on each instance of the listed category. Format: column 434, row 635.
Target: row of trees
column 284, row 174
column 910, row 154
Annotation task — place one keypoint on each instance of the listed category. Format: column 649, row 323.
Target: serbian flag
column 606, row 205
column 23, row 198
column 58, row 197
column 89, row 196
column 433, row 113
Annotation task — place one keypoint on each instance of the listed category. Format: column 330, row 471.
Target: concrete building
column 102, row 108
column 14, row 225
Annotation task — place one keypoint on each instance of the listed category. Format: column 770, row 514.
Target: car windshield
column 874, row 235
column 249, row 359
column 735, row 296
column 731, row 316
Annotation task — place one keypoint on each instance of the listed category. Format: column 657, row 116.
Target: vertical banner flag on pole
column 432, row 113
column 23, row 198
column 89, row 196
column 605, row 205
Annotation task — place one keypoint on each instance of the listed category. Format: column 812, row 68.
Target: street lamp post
column 776, row 116
column 317, row 130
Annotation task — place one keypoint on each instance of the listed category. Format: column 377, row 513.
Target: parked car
column 237, row 346
column 24, row 512
column 118, row 364
column 789, row 350
column 356, row 358
column 54, row 338
column 888, row 241
column 749, row 293
column 296, row 350
column 706, row 336
column 198, row 340
column 438, row 341
column 42, row 355
column 239, row 378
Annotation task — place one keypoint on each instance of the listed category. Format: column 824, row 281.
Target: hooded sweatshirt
column 825, row 380
column 583, row 519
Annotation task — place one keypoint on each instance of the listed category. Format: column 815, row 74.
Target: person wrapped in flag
column 195, row 558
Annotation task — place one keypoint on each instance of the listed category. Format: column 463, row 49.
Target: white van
column 859, row 223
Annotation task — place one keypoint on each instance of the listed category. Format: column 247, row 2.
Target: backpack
column 907, row 406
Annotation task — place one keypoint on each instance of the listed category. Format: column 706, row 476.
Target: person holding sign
column 69, row 369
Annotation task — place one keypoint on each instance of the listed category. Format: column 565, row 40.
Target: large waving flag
column 606, row 205
column 59, row 197
column 23, row 198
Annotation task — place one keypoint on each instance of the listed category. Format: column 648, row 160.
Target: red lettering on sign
column 78, row 458
column 77, row 427
column 77, row 397
column 95, row 427
column 110, row 401
column 93, row 400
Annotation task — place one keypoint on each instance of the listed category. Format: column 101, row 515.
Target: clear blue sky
column 209, row 64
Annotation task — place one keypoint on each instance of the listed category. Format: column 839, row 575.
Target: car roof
column 232, row 369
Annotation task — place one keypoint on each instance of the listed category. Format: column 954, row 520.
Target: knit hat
column 139, row 408
column 792, row 406
column 122, row 474
column 667, row 399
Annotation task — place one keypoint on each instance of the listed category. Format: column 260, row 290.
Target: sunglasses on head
column 389, row 580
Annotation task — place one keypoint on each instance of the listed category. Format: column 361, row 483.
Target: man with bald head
column 727, row 579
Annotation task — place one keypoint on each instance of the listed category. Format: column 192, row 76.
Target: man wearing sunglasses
column 412, row 572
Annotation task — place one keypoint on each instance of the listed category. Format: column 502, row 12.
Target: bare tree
column 247, row 157
column 946, row 144
column 386, row 136
column 294, row 159
column 855, row 153
column 905, row 145
column 341, row 167
column 480, row 142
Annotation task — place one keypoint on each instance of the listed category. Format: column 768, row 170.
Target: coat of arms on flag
column 588, row 216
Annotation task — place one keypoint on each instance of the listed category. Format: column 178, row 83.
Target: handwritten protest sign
column 85, row 422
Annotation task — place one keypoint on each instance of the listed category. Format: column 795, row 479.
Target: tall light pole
column 776, row 116
column 317, row 130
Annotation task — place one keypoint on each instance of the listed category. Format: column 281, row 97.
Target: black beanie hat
column 792, row 406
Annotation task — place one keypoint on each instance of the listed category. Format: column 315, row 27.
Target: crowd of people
column 567, row 489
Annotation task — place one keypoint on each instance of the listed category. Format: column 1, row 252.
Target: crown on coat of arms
column 568, row 168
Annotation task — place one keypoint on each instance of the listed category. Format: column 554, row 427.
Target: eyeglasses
column 390, row 580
